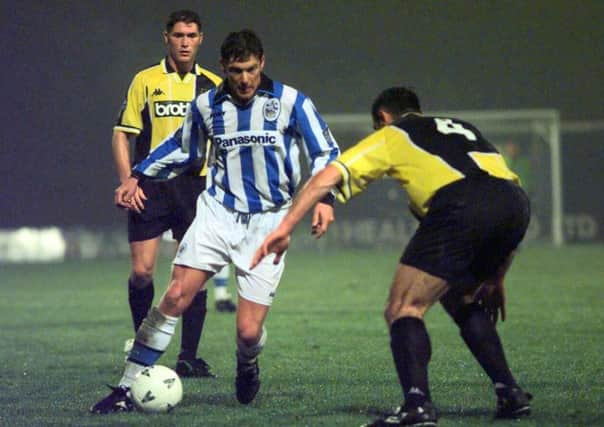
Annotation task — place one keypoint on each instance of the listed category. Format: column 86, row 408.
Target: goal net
column 530, row 141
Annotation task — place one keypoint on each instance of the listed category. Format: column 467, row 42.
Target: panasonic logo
column 264, row 139
column 170, row 108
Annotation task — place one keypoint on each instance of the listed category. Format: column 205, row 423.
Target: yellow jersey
column 423, row 154
column 156, row 103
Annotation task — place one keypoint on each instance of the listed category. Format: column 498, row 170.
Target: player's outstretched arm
column 314, row 190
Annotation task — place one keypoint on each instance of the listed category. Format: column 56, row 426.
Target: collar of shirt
column 265, row 87
column 168, row 68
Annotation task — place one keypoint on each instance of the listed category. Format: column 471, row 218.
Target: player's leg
column 412, row 293
column 222, row 298
column 188, row 364
column 193, row 320
column 479, row 333
column 141, row 290
column 500, row 220
column 184, row 191
column 154, row 335
column 144, row 235
column 251, row 338
column 256, row 289
column 198, row 251
column 140, row 284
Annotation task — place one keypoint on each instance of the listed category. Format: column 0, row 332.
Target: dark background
column 67, row 64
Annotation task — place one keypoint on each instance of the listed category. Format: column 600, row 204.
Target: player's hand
column 321, row 219
column 491, row 296
column 277, row 242
column 130, row 196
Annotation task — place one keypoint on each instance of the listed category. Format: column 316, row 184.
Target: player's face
column 182, row 43
column 243, row 77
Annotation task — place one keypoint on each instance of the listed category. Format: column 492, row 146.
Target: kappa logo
column 157, row 92
column 170, row 108
column 416, row 390
column 271, row 109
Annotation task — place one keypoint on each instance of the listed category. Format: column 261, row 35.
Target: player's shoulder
column 150, row 72
column 277, row 89
column 213, row 77
column 290, row 88
column 415, row 122
column 414, row 119
column 290, row 94
column 152, row 69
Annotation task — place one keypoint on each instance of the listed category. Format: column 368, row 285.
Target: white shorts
column 219, row 236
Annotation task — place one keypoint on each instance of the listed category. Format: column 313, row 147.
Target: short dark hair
column 396, row 101
column 240, row 45
column 186, row 16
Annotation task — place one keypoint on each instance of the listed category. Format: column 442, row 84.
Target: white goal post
column 533, row 130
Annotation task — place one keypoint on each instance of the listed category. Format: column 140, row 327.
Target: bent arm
column 187, row 145
column 314, row 190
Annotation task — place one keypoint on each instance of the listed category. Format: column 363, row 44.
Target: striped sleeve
column 321, row 147
column 186, row 146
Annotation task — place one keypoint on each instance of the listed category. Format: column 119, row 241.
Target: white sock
column 221, row 293
column 152, row 339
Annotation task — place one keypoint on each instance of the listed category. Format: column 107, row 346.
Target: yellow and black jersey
column 157, row 101
column 423, row 154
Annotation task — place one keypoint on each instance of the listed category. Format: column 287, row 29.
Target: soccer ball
column 156, row 389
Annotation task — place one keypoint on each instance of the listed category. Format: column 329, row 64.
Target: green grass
column 327, row 362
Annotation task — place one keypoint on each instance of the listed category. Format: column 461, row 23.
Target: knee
column 392, row 312
column 141, row 277
column 461, row 312
column 248, row 332
column 174, row 295
column 473, row 321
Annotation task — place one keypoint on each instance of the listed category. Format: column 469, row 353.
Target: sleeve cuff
column 138, row 175
column 328, row 199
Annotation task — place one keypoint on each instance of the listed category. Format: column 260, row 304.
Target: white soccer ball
column 156, row 389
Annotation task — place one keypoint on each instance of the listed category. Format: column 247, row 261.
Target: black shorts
column 170, row 205
column 470, row 229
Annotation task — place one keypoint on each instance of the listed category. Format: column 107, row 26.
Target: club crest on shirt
column 271, row 110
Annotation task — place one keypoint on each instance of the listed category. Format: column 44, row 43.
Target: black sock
column 192, row 326
column 140, row 300
column 411, row 351
column 480, row 335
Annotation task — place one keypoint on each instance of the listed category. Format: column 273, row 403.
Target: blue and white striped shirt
column 254, row 163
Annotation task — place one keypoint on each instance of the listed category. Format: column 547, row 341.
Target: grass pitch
column 327, row 360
